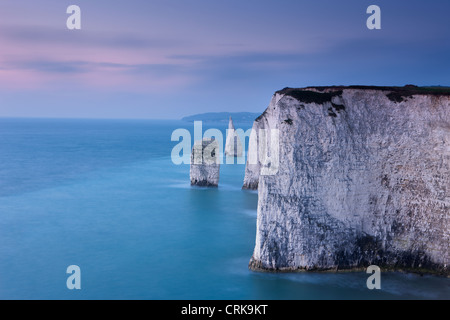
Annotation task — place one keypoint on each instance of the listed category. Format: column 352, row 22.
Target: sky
column 165, row 59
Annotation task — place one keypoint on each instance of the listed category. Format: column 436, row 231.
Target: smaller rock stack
column 205, row 163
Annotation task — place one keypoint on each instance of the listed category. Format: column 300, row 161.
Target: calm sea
column 104, row 195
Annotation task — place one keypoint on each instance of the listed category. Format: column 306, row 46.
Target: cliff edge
column 363, row 178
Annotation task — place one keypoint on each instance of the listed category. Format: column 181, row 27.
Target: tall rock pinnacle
column 233, row 145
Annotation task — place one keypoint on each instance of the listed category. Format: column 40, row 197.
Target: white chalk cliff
column 233, row 144
column 205, row 164
column 363, row 178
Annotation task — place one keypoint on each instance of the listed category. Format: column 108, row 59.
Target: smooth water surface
column 105, row 195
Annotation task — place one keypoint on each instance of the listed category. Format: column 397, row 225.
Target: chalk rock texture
column 233, row 144
column 363, row 178
column 253, row 165
column 205, row 164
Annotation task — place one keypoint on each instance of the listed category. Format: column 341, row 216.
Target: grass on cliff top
column 397, row 94
column 308, row 96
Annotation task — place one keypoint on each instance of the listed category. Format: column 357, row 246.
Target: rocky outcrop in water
column 253, row 165
column 363, row 178
column 233, row 144
column 205, row 164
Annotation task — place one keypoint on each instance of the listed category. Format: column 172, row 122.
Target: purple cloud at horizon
column 239, row 50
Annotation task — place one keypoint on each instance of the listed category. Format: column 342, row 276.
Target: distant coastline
column 222, row 117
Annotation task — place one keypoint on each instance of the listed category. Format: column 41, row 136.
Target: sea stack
column 253, row 165
column 363, row 178
column 233, row 144
column 205, row 163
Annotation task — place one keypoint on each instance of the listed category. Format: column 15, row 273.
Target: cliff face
column 363, row 178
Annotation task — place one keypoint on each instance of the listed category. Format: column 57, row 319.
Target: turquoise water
column 104, row 195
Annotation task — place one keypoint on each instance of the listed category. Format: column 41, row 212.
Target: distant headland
column 222, row 117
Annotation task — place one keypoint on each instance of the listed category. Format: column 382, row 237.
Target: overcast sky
column 170, row 58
